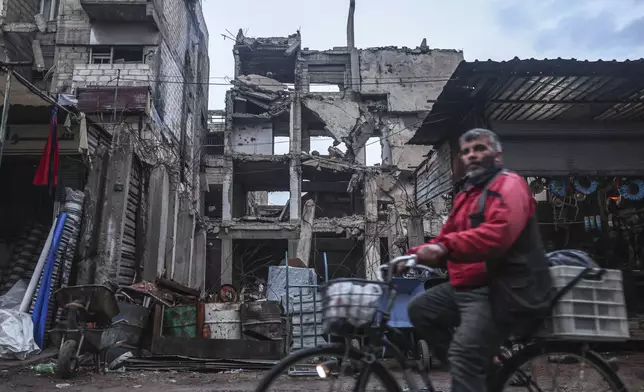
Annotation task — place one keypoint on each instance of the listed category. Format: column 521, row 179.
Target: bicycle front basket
column 351, row 304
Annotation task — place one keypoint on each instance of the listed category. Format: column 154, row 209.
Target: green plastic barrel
column 180, row 321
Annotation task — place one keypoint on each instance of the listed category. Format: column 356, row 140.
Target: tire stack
column 25, row 257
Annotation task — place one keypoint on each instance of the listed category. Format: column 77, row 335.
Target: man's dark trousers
column 477, row 338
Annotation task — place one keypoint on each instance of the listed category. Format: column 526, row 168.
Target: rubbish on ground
column 44, row 368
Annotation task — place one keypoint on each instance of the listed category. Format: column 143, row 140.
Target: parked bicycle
column 351, row 305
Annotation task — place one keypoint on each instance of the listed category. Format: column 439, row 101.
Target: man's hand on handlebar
column 431, row 255
column 399, row 265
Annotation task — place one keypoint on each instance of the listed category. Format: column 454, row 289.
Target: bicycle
column 502, row 369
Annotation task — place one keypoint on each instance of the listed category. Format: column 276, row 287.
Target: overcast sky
column 483, row 29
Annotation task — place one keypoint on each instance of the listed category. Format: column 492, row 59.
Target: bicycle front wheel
column 313, row 356
column 556, row 366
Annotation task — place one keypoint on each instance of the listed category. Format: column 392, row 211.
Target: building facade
column 131, row 78
column 338, row 206
column 573, row 129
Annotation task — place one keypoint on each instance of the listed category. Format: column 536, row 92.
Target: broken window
column 214, row 201
column 101, row 55
column 324, row 88
column 116, row 55
column 128, row 54
column 49, row 9
column 327, row 78
column 215, row 143
column 322, row 144
column 281, row 145
column 373, row 151
column 278, row 198
column 375, row 102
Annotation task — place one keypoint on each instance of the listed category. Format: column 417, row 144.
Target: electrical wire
column 183, row 82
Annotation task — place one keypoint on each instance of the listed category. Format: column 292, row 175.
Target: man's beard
column 482, row 167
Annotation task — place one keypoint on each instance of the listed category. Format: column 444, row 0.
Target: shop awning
column 536, row 90
column 22, row 92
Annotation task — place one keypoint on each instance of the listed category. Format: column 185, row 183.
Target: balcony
column 119, row 10
column 96, row 87
column 125, row 75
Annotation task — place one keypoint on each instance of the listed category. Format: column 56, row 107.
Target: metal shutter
column 435, row 179
column 128, row 265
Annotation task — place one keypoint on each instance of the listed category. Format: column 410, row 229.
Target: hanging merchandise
column 586, row 224
column 598, row 221
column 39, row 315
column 558, row 187
column 47, row 173
column 586, row 190
column 632, row 190
column 537, row 186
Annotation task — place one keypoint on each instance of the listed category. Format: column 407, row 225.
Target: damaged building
column 356, row 215
column 123, row 82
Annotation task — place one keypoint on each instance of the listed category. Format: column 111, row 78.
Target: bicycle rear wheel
column 575, row 358
column 315, row 354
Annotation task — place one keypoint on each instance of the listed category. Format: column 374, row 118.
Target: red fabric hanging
column 47, row 173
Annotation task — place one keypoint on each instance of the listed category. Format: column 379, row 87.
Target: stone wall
column 412, row 79
column 253, row 139
column 86, row 75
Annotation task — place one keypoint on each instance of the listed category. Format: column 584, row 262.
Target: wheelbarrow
column 89, row 328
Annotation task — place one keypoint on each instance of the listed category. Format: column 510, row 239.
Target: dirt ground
column 26, row 380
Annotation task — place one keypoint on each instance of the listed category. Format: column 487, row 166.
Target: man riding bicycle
column 499, row 280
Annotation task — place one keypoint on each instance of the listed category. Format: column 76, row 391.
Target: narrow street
column 631, row 372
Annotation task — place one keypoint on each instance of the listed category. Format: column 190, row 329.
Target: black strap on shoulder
column 479, row 216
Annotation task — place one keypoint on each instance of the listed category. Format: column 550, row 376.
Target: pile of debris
column 267, row 94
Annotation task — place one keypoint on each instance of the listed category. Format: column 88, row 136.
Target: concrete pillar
column 306, row 232
column 227, row 191
column 183, row 242
column 92, row 214
column 198, row 279
column 171, row 231
column 226, row 261
column 394, row 232
column 292, row 248
column 415, row 230
column 295, row 170
column 157, row 232
column 117, row 186
column 306, row 138
column 386, row 156
column 228, row 125
column 355, row 60
column 372, row 236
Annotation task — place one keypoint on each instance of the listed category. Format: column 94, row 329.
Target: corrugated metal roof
column 538, row 90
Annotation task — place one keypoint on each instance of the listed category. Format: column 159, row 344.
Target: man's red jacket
column 508, row 207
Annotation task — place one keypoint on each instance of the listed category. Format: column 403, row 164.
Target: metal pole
column 326, row 282
column 5, row 112
column 116, row 93
column 287, row 288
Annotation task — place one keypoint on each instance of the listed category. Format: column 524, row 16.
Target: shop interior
column 603, row 216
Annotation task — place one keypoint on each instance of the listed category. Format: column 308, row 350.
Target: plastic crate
column 594, row 310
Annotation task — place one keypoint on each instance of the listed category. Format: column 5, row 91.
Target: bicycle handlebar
column 410, row 262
